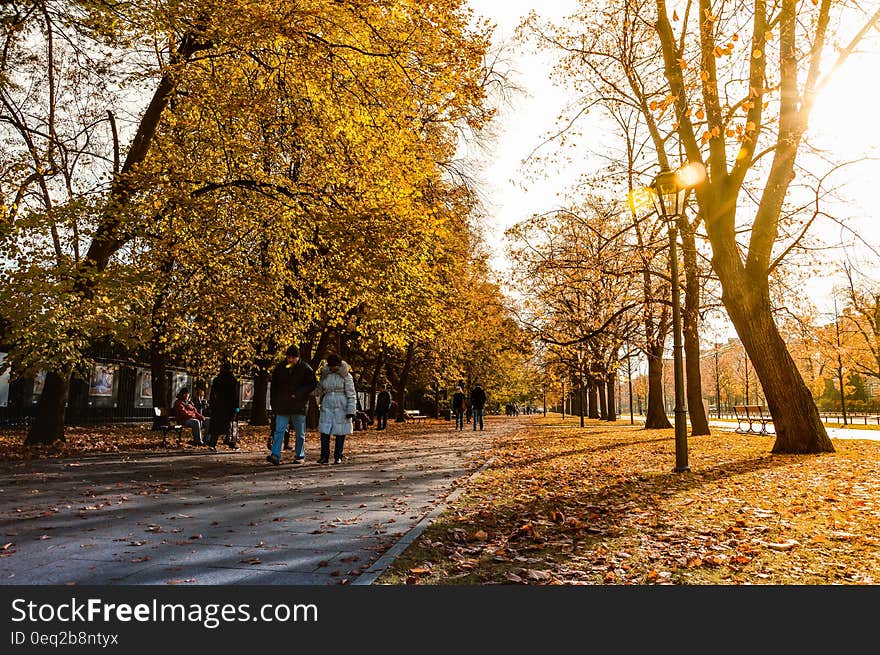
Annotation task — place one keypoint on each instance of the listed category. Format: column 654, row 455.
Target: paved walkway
column 230, row 517
column 833, row 433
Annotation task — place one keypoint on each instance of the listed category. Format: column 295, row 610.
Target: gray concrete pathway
column 833, row 433
column 230, row 517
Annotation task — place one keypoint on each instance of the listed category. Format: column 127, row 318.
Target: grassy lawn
column 601, row 505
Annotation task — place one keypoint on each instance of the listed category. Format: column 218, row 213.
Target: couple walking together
column 474, row 406
column 293, row 383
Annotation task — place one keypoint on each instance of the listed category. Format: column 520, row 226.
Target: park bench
column 413, row 415
column 754, row 415
column 167, row 424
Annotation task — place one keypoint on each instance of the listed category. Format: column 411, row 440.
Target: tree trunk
column 744, row 275
column 655, row 417
column 400, row 385
column 160, row 382
column 48, row 425
column 259, row 413
column 796, row 419
column 603, row 401
column 691, row 316
column 374, row 382
column 593, row 402
column 609, row 395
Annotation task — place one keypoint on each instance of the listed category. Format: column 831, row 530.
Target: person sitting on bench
column 187, row 414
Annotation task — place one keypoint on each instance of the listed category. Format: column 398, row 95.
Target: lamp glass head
column 668, row 198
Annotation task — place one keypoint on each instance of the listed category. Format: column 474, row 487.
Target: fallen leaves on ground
column 139, row 438
column 94, row 439
column 601, row 505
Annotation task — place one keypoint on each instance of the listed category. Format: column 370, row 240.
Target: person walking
column 383, row 405
column 293, row 381
column 478, row 404
column 223, row 402
column 187, row 414
column 459, row 407
column 338, row 404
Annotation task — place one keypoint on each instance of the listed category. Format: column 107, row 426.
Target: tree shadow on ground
column 586, row 519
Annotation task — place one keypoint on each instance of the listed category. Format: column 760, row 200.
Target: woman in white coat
column 338, row 403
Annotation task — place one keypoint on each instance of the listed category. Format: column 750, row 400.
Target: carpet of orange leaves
column 97, row 439
column 601, row 505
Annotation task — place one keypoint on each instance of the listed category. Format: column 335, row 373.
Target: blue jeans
column 298, row 423
column 459, row 419
column 478, row 416
column 196, row 426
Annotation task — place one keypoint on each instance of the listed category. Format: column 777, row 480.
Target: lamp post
column 544, row 402
column 717, row 383
column 629, row 378
column 670, row 188
column 840, row 368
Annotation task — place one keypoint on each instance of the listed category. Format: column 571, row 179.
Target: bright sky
column 521, row 126
column 844, row 122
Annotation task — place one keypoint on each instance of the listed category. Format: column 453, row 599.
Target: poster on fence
column 144, row 388
column 101, row 384
column 145, row 383
column 178, row 382
column 247, row 392
column 39, row 384
column 4, row 383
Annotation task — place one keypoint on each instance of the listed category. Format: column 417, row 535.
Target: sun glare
column 844, row 125
column 844, row 116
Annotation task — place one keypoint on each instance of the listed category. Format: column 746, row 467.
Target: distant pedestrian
column 292, row 383
column 383, row 405
column 478, row 404
column 224, row 402
column 459, row 407
column 338, row 404
column 187, row 414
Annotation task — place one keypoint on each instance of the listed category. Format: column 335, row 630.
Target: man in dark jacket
column 223, row 403
column 383, row 405
column 292, row 383
column 478, row 404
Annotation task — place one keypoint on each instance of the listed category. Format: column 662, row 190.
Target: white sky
column 521, row 126
column 844, row 122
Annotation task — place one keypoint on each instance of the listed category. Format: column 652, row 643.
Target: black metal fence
column 115, row 392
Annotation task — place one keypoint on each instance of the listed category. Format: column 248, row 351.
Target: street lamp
column 670, row 189
column 717, row 384
column 629, row 378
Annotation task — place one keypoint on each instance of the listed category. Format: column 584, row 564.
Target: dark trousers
column 381, row 420
column 338, row 445
column 459, row 419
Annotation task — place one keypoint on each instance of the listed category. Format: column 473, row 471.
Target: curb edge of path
column 379, row 567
